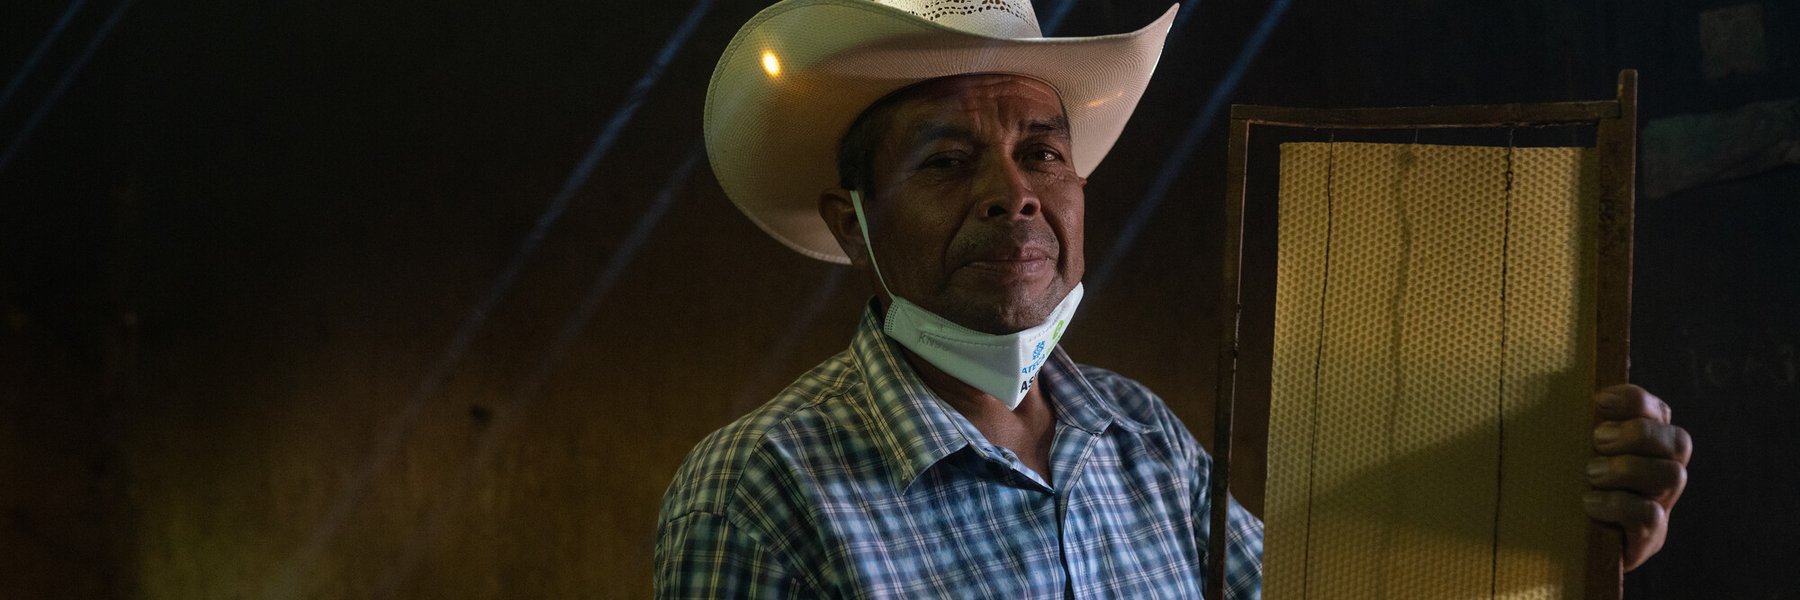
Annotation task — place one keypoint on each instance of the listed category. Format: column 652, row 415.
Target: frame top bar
column 1431, row 117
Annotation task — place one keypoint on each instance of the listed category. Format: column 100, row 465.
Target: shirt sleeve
column 703, row 555
column 1243, row 536
column 1243, row 553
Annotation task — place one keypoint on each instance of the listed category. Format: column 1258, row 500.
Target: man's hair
column 856, row 150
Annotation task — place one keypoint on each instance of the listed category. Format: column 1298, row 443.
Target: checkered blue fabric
column 858, row 482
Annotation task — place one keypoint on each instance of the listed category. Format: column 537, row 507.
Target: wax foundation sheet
column 1432, row 371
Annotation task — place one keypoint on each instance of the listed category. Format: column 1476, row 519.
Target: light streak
column 285, row 582
column 508, row 415
column 37, row 53
column 1057, row 14
column 609, row 276
column 747, row 396
column 1184, row 149
column 62, row 84
column 1188, row 8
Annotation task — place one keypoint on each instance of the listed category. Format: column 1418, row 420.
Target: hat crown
column 992, row 18
column 796, row 76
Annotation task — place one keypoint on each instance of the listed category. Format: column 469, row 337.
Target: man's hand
column 1639, row 469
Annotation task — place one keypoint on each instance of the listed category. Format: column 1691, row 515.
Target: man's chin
column 1002, row 316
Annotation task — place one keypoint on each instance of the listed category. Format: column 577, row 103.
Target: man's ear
column 840, row 216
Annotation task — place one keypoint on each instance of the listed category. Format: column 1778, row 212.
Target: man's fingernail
column 1596, row 467
column 1592, row 499
column 1606, row 433
column 1611, row 400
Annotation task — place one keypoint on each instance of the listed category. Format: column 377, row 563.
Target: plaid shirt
column 858, row 482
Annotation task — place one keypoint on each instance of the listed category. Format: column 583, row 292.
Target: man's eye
column 1045, row 155
column 945, row 162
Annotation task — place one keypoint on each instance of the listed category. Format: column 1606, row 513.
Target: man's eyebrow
column 931, row 131
column 1057, row 124
column 925, row 133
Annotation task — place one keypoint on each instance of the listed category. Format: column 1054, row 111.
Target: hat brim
column 798, row 74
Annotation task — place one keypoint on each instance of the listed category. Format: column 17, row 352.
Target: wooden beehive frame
column 1615, row 123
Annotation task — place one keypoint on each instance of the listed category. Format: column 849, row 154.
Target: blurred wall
column 314, row 299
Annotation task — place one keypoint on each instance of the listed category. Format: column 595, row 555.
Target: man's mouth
column 1020, row 261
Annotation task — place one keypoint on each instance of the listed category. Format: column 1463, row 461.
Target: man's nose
column 1006, row 193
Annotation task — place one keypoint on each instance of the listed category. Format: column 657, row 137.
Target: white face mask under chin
column 1002, row 365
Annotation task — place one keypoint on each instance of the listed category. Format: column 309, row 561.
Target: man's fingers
column 1641, row 471
column 1626, row 401
column 1643, row 437
column 1645, row 523
column 1660, row 480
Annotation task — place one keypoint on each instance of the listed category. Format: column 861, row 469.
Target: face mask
column 1003, row 366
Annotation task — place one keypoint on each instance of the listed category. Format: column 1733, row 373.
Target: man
column 953, row 451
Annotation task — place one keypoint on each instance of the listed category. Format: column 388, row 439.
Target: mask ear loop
column 862, row 222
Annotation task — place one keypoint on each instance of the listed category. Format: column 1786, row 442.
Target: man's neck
column 1027, row 430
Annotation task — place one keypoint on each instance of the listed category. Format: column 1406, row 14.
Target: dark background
column 317, row 299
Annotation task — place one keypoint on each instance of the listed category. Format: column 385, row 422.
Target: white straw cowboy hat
column 800, row 72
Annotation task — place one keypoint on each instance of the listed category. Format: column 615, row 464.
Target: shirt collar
column 914, row 429
column 1077, row 403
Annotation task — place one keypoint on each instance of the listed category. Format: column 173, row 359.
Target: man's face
column 976, row 211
